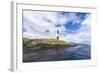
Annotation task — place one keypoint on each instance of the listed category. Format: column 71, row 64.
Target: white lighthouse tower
column 57, row 34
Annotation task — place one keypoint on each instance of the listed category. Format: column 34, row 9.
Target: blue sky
column 73, row 26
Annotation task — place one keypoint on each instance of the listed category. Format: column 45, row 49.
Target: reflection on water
column 78, row 52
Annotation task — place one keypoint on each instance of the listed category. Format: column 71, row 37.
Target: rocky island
column 30, row 45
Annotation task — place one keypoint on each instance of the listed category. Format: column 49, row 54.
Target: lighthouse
column 57, row 34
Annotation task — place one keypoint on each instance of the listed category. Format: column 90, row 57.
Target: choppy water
column 79, row 52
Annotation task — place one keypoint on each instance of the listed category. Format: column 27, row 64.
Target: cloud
column 35, row 23
column 83, row 35
column 40, row 24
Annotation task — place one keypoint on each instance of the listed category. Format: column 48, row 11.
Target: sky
column 73, row 26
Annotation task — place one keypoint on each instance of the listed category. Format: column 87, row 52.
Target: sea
column 79, row 52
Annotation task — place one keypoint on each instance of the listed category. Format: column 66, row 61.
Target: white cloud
column 83, row 35
column 36, row 23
